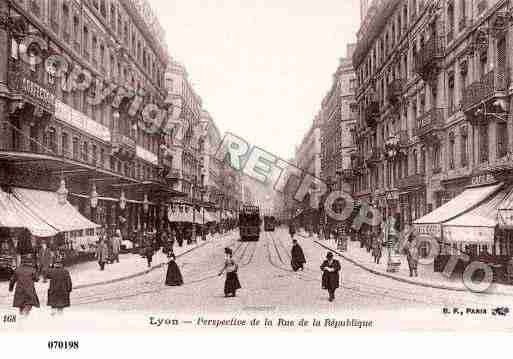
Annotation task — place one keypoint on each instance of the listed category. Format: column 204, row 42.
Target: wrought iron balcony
column 394, row 90
column 371, row 113
column 417, row 180
column 404, row 139
column 174, row 174
column 373, row 156
column 429, row 56
column 492, row 84
column 430, row 121
column 123, row 146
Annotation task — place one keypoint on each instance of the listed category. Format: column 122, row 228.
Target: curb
column 138, row 274
column 405, row 280
column 382, row 274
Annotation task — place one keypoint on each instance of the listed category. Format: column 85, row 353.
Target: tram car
column 269, row 223
column 249, row 223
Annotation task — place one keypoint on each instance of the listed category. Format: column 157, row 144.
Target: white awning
column 431, row 223
column 46, row 206
column 13, row 214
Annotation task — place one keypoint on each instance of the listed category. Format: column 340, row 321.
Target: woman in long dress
column 231, row 283
column 173, row 276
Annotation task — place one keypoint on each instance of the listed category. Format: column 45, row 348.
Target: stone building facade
column 434, row 100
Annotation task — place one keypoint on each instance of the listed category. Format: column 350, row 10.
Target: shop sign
column 477, row 235
column 482, row 179
column 146, row 155
column 37, row 93
column 432, row 229
column 79, row 120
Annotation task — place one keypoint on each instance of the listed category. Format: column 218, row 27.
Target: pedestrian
column 330, row 276
column 60, row 287
column 102, row 253
column 45, row 259
column 116, row 245
column 377, row 251
column 25, row 296
column 173, row 275
column 297, row 260
column 292, row 230
column 180, row 236
column 231, row 283
column 412, row 257
column 148, row 253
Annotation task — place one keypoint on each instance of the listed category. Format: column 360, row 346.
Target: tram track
column 404, row 294
column 157, row 287
column 367, row 290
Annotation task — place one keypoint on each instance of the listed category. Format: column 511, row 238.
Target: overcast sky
column 261, row 67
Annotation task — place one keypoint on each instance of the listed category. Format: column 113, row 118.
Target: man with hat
column 25, row 296
column 60, row 287
column 330, row 277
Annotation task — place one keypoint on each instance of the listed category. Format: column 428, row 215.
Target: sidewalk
column 427, row 277
column 130, row 265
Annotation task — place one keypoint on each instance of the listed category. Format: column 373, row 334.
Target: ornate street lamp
column 122, row 201
column 146, row 204
column 94, row 197
column 62, row 192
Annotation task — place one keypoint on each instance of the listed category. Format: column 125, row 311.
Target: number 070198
column 63, row 344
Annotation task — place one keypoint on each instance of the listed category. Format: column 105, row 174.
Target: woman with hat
column 173, row 276
column 330, row 277
column 60, row 287
column 25, row 296
column 231, row 283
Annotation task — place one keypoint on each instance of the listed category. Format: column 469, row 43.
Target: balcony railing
column 374, row 155
column 429, row 121
column 174, row 173
column 394, row 90
column 487, row 87
column 404, row 140
column 412, row 181
column 119, row 139
column 371, row 113
column 427, row 56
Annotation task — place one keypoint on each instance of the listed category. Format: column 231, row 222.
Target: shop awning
column 477, row 225
column 431, row 223
column 45, row 205
column 505, row 212
column 13, row 214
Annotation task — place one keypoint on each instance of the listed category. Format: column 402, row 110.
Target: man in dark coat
column 25, row 296
column 60, row 288
column 330, row 276
column 102, row 253
column 148, row 253
column 292, row 230
column 297, row 260
column 45, row 259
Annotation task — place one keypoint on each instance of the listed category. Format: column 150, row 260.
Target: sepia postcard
column 200, row 166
